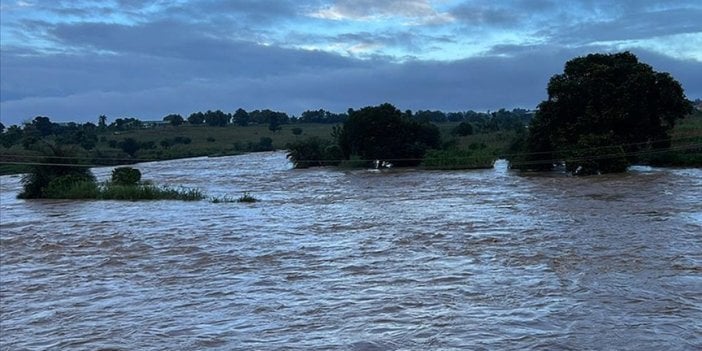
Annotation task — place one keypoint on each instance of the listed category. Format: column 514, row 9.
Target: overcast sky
column 73, row 60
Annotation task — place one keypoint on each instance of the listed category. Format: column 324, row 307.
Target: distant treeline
column 86, row 134
column 243, row 118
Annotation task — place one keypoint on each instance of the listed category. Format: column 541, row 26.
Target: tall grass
column 89, row 190
column 246, row 198
column 148, row 192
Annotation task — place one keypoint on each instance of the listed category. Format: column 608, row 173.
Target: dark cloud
column 250, row 12
column 132, row 86
column 636, row 25
column 168, row 56
column 486, row 15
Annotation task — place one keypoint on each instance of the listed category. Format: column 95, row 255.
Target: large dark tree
column 601, row 112
column 241, row 117
column 384, row 133
column 217, row 118
column 43, row 125
column 174, row 119
column 196, row 118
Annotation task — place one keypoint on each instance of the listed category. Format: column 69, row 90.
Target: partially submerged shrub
column 71, row 187
column 57, row 163
column 223, row 199
column 313, row 152
column 247, row 198
column 126, row 176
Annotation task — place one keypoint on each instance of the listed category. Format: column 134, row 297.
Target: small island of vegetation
column 53, row 180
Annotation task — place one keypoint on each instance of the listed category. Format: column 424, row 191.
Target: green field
column 204, row 141
column 211, row 141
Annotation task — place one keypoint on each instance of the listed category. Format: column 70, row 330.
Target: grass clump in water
column 148, row 192
column 224, row 199
column 246, row 198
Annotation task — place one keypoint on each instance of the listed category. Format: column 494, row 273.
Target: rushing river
column 358, row 260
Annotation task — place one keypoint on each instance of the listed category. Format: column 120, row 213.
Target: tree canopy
column 383, row 132
column 601, row 111
column 174, row 119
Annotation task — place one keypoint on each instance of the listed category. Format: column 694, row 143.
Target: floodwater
column 359, row 260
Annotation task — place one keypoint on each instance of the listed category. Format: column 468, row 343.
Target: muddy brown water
column 358, row 260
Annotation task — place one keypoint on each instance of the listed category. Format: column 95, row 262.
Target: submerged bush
column 71, row 187
column 223, row 199
column 126, row 176
column 313, row 152
column 247, row 198
column 57, row 163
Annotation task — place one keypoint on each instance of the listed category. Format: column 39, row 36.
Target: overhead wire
column 43, row 160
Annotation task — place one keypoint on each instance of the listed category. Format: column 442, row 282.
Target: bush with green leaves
column 313, row 152
column 126, row 176
column 59, row 166
column 71, row 187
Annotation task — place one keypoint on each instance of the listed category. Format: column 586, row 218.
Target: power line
column 135, row 160
column 474, row 158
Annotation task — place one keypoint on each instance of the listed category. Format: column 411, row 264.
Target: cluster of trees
column 482, row 122
column 321, row 116
column 121, row 124
column 240, row 117
column 83, row 135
